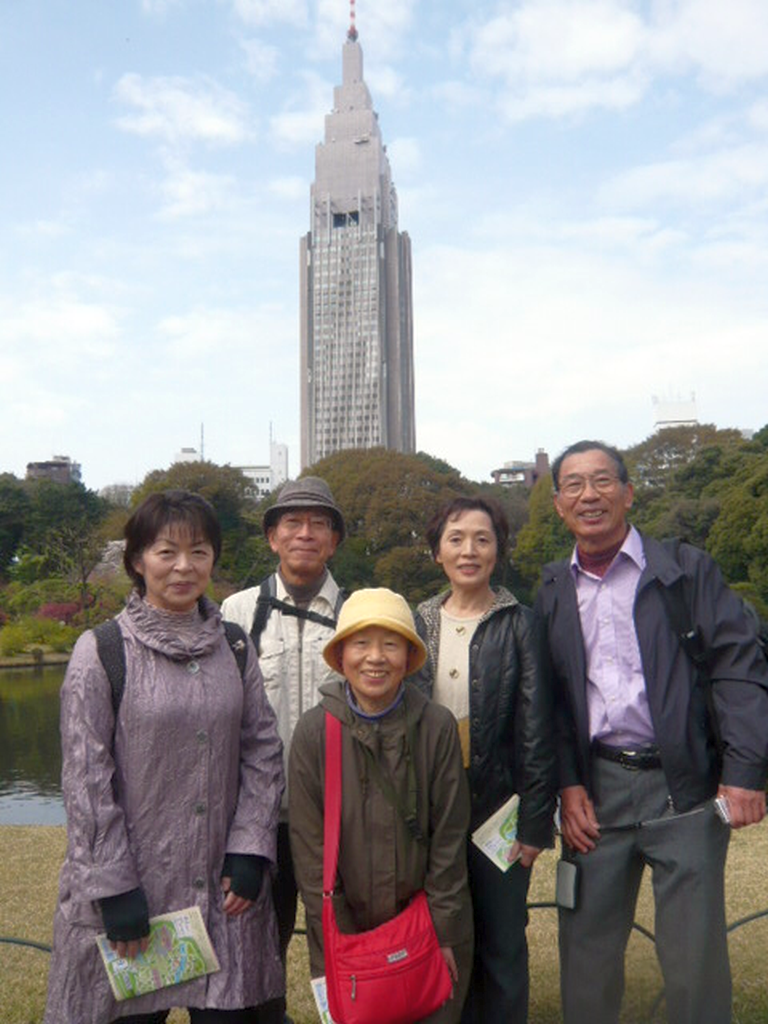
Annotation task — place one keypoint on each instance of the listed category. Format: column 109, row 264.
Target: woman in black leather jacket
column 483, row 665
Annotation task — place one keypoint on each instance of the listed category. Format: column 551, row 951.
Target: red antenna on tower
column 352, row 33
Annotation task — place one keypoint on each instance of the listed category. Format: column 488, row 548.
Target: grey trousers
column 686, row 856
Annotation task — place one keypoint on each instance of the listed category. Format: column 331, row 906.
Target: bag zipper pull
column 354, row 987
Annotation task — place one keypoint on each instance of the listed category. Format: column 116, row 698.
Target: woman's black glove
column 126, row 916
column 245, row 872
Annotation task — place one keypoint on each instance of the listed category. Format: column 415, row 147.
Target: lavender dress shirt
column 616, row 695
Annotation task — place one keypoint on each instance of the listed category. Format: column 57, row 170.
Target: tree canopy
column 699, row 483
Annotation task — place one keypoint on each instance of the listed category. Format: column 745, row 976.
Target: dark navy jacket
column 680, row 707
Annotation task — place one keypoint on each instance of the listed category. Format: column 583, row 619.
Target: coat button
column 202, row 736
column 193, row 668
column 199, row 883
column 199, row 808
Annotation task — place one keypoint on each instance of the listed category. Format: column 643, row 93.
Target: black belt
column 634, row 760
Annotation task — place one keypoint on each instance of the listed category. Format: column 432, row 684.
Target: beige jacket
column 291, row 658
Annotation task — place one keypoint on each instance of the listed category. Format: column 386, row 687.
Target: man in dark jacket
column 645, row 744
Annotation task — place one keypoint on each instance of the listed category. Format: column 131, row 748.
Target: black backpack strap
column 678, row 601
column 341, row 597
column 111, row 651
column 268, row 599
column 267, row 592
column 302, row 613
column 238, row 641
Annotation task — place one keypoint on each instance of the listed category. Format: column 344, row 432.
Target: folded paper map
column 320, row 992
column 179, row 950
column 496, row 835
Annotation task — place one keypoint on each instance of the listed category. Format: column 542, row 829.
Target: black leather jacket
column 510, row 727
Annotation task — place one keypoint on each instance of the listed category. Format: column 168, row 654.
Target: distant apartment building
column 60, row 468
column 525, row 473
column 674, row 412
column 265, row 479
column 357, row 387
column 188, row 455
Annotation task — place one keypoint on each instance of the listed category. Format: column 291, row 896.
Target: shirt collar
column 632, row 548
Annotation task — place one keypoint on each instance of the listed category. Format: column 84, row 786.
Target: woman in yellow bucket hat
column 391, row 735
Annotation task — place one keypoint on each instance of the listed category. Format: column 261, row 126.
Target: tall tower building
column 356, row 310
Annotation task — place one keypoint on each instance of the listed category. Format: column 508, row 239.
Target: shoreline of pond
column 35, row 659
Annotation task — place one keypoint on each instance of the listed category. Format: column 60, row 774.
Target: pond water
column 30, row 750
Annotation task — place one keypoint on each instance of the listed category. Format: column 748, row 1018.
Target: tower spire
column 352, row 32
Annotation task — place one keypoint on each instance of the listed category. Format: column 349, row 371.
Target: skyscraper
column 356, row 311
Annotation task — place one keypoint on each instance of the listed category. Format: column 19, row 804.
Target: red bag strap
column 332, row 817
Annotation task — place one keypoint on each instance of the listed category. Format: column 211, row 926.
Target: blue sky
column 585, row 185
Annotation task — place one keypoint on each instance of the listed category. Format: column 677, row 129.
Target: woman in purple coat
column 172, row 802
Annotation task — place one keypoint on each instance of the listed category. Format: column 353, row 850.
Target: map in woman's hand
column 179, row 950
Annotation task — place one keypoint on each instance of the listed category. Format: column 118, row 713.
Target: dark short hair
column 589, row 446
column 436, row 525
column 180, row 509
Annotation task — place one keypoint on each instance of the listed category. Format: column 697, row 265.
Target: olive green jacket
column 380, row 865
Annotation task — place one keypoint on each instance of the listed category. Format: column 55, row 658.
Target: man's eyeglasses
column 316, row 524
column 574, row 486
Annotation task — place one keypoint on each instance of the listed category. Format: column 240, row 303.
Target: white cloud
column 226, row 333
column 560, row 341
column 459, row 95
column 293, row 188
column 725, row 42
column 556, row 58
column 192, row 193
column 62, row 329
column 45, row 229
column 555, row 40
column 560, row 100
column 757, row 116
column 178, row 109
column 302, row 123
column 261, row 60
column 381, row 26
column 405, row 157
column 386, row 83
column 158, row 7
column 265, row 12
column 731, row 174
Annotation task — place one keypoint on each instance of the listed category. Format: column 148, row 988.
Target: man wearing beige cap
column 291, row 616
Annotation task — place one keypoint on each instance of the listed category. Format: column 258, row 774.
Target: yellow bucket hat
column 375, row 606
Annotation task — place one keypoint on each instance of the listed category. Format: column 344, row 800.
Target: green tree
column 387, row 499
column 541, row 540
column 225, row 488
column 54, row 506
column 738, row 539
column 654, row 461
column 73, row 554
column 14, row 512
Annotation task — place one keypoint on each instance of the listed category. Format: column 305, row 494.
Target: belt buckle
column 630, row 759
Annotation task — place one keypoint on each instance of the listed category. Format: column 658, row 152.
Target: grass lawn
column 30, row 859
